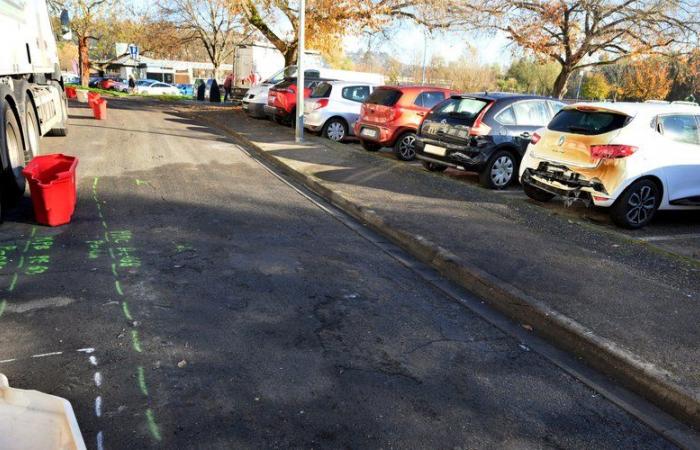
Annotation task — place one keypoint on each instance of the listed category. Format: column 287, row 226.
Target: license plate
column 434, row 150
column 368, row 132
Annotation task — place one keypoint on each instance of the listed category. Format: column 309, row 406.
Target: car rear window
column 464, row 108
column 323, row 90
column 386, row 97
column 284, row 84
column 587, row 122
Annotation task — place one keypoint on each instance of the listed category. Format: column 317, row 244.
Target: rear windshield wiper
column 575, row 128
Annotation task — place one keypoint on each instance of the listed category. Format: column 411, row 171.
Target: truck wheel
column 62, row 128
column 12, row 156
column 32, row 148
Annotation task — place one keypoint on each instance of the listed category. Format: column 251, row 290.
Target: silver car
column 334, row 106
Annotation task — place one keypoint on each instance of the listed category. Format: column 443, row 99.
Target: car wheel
column 13, row 156
column 499, row 171
column 405, row 147
column 370, row 146
column 335, row 130
column 536, row 193
column 637, row 205
column 434, row 167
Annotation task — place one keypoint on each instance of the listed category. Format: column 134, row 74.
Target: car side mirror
column 66, row 33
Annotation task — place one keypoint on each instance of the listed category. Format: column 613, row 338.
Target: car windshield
column 587, row 122
column 277, row 77
column 385, row 97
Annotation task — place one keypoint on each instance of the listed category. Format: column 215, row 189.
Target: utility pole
column 425, row 53
column 299, row 134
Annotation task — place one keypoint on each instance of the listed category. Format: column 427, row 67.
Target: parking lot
column 197, row 300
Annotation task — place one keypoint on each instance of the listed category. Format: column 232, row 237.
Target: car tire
column 370, row 146
column 433, row 167
column 336, row 129
column 405, row 146
column 499, row 171
column 536, row 193
column 13, row 152
column 637, row 205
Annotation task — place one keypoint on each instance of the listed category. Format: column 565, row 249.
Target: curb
column 600, row 353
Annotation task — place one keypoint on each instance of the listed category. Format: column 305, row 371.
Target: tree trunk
column 560, row 84
column 290, row 56
column 83, row 61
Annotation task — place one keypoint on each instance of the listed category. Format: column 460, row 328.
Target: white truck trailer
column 32, row 100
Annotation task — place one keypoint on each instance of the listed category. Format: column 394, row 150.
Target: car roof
column 504, row 95
column 350, row 83
column 415, row 88
column 635, row 109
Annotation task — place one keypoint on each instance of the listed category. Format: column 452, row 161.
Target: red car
column 282, row 99
column 391, row 115
column 107, row 83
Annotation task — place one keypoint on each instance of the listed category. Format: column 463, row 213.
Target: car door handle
column 525, row 135
column 421, row 113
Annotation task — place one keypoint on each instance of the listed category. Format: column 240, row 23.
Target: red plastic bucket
column 70, row 92
column 99, row 109
column 93, row 97
column 51, row 181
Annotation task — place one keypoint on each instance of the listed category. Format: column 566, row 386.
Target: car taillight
column 321, row 103
column 479, row 128
column 611, row 151
column 535, row 138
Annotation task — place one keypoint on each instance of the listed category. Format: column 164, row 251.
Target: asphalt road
column 196, row 301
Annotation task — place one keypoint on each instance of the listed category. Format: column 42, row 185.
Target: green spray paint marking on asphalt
column 26, row 246
column 13, row 283
column 104, row 224
column 21, row 262
column 152, row 425
column 142, row 380
column 140, row 182
column 94, row 182
column 111, row 253
column 114, row 270
column 135, row 340
column 118, row 287
column 3, row 304
column 127, row 314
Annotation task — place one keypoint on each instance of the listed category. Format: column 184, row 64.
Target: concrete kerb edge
column 632, row 371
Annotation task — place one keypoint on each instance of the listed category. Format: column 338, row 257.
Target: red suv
column 391, row 115
column 282, row 99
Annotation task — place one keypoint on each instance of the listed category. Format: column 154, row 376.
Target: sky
column 408, row 41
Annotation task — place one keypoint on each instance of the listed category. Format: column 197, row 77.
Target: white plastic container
column 34, row 420
column 81, row 95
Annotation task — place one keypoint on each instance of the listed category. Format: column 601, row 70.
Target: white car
column 334, row 107
column 633, row 158
column 156, row 88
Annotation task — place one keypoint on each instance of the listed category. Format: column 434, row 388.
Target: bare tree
column 331, row 19
column 584, row 33
column 218, row 24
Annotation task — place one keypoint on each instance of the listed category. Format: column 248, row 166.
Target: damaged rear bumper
column 572, row 186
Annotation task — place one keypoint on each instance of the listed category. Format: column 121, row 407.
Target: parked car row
column 633, row 158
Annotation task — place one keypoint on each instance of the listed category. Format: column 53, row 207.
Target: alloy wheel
column 641, row 205
column 502, row 171
column 407, row 147
column 335, row 131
